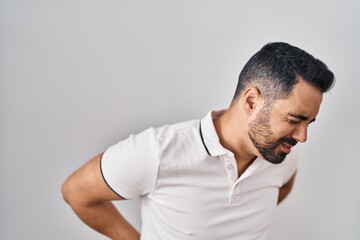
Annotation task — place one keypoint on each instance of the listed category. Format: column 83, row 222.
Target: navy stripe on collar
column 202, row 139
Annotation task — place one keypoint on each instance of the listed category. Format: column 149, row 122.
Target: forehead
column 304, row 99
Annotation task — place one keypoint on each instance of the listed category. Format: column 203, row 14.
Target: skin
column 90, row 197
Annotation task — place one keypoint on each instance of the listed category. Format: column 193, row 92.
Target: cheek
column 281, row 129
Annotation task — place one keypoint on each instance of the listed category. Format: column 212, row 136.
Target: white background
column 77, row 76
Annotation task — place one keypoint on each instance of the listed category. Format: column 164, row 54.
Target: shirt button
column 230, row 166
column 234, row 198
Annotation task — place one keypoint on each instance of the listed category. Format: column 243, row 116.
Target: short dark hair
column 274, row 70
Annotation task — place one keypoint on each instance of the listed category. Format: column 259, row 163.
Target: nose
column 300, row 133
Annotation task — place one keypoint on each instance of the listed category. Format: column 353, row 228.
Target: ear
column 252, row 99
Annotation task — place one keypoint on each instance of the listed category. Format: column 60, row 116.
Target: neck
column 232, row 132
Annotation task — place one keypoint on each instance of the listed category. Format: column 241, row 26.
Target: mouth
column 286, row 147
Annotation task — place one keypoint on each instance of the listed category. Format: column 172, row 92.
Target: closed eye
column 300, row 118
column 293, row 122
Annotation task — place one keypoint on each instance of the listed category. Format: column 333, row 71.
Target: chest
column 201, row 197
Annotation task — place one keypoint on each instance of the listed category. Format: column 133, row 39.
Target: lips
column 287, row 147
column 287, row 144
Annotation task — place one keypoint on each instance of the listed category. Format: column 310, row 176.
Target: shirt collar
column 209, row 135
column 212, row 144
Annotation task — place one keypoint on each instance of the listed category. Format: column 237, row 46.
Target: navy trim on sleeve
column 102, row 174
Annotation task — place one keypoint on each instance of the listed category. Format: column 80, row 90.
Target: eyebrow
column 301, row 117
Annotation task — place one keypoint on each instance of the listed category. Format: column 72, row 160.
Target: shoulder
column 186, row 127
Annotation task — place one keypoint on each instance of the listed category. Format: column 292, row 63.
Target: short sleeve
column 289, row 166
column 130, row 167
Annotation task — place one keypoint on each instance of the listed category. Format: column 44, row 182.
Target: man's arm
column 90, row 198
column 286, row 188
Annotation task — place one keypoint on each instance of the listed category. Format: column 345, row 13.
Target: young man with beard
column 220, row 177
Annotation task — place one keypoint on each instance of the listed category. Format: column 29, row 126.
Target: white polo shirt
column 189, row 186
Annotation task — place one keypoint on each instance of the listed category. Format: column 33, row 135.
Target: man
column 217, row 178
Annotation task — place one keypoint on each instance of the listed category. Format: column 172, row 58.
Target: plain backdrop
column 77, row 76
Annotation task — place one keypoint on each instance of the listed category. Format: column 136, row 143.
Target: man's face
column 278, row 128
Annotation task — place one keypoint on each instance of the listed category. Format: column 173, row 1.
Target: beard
column 263, row 138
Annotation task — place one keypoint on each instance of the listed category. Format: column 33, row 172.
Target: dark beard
column 260, row 134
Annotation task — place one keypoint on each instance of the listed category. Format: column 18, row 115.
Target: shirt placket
column 232, row 175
